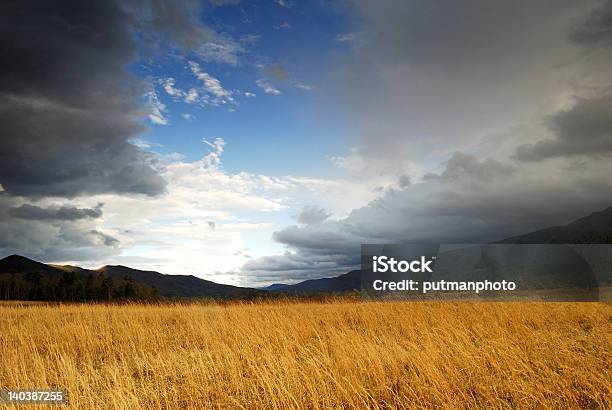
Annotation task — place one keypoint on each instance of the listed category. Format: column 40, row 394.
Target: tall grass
column 286, row 354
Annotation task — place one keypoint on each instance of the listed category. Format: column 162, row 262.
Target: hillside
column 178, row 285
column 23, row 278
column 594, row 228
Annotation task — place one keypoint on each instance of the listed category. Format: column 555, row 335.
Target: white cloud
column 284, row 3
column 157, row 109
column 267, row 87
column 187, row 116
column 191, row 96
column 213, row 159
column 284, row 25
column 222, row 49
column 144, row 144
column 211, row 85
column 304, row 87
column 168, row 85
column 249, row 94
column 355, row 40
column 173, row 233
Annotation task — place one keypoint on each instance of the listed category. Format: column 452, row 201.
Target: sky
column 262, row 142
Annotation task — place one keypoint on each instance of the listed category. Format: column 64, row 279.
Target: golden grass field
column 327, row 354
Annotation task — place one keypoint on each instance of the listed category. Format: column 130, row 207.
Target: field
column 339, row 353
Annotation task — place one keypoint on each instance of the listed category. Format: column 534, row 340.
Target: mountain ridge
column 166, row 285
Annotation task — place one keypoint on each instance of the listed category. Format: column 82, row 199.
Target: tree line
column 71, row 286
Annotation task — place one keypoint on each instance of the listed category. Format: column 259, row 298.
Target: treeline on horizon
column 71, row 286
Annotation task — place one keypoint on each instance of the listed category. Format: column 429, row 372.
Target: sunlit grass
column 296, row 354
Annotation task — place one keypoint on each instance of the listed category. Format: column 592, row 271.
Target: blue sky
column 289, row 47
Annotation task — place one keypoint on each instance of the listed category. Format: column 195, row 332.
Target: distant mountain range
column 347, row 282
column 594, row 228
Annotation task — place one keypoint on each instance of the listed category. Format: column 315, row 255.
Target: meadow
column 334, row 353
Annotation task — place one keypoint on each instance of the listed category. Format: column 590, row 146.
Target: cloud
column 61, row 136
column 470, row 201
column 211, row 85
column 354, row 39
column 63, row 213
column 221, row 49
column 595, row 27
column 157, row 109
column 446, row 97
column 295, row 267
column 104, row 239
column 312, row 215
column 585, row 129
column 434, row 78
column 284, row 25
column 304, row 87
column 461, row 166
column 166, row 23
column 213, row 159
column 54, row 232
column 267, row 87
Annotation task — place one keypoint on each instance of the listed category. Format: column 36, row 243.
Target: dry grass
column 313, row 355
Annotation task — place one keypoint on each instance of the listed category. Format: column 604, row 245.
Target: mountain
column 594, row 228
column 571, row 264
column 275, row 286
column 25, row 278
column 20, row 264
column 348, row 282
column 179, row 285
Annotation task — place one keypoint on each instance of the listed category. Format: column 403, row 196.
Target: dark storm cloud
column 63, row 213
column 53, row 234
column 461, row 165
column 585, row 129
column 67, row 104
column 292, row 267
column 595, row 27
